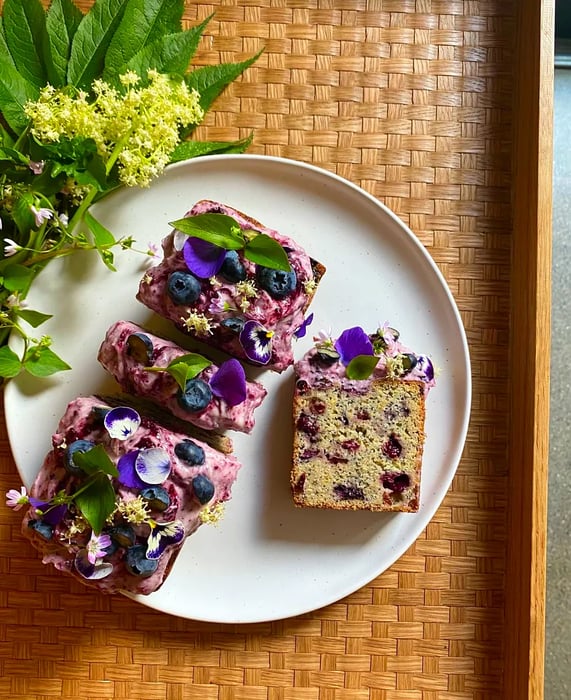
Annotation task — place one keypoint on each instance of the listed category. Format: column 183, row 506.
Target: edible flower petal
column 10, row 247
column 202, row 258
column 352, row 342
column 91, row 570
column 122, row 422
column 49, row 513
column 256, row 342
column 153, row 465
column 424, row 369
column 41, row 215
column 229, row 383
column 17, row 499
column 302, row 330
column 162, row 535
column 97, row 546
column 127, row 473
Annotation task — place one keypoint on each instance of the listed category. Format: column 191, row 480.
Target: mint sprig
column 222, row 230
column 184, row 368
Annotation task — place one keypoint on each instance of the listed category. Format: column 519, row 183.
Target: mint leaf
column 361, row 366
column 192, row 149
column 42, row 362
column 102, row 237
column 95, row 460
column 34, row 318
column 10, row 364
column 97, row 501
column 62, row 21
column 143, row 23
column 219, row 229
column 91, row 40
column 17, row 278
column 265, row 250
column 15, row 91
column 211, row 80
column 25, row 31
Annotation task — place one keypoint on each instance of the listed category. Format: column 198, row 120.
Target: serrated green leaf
column 193, row 149
column 210, row 81
column 4, row 50
column 10, row 364
column 97, row 501
column 33, row 318
column 218, row 229
column 62, row 20
column 361, row 366
column 95, row 460
column 15, row 91
column 143, row 24
column 91, row 40
column 17, row 278
column 26, row 36
column 42, row 362
column 265, row 250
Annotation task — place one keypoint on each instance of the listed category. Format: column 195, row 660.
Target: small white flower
column 16, row 499
column 41, row 215
column 64, row 219
column 37, row 167
column 11, row 247
column 155, row 254
column 14, row 302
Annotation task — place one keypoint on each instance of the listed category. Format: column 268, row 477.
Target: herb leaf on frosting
column 361, row 366
column 184, row 368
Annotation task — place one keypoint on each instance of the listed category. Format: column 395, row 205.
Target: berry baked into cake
column 188, row 385
column 119, row 493
column 359, row 411
column 228, row 281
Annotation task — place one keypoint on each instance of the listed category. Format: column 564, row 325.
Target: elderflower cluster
column 137, row 128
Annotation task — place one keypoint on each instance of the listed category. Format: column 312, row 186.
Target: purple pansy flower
column 163, row 535
column 202, row 258
column 229, row 383
column 122, row 422
column 127, row 474
column 423, row 368
column 91, row 570
column 256, row 341
column 353, row 342
column 302, row 330
column 48, row 512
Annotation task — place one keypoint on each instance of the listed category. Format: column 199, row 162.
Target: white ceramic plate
column 266, row 560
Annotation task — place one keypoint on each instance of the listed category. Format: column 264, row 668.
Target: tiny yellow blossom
column 247, row 289
column 212, row 514
column 309, row 286
column 134, row 511
column 197, row 323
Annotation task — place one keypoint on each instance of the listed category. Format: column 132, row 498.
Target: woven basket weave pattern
column 410, row 99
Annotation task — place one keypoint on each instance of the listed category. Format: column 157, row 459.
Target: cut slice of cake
column 119, row 493
column 221, row 297
column 215, row 398
column 358, row 415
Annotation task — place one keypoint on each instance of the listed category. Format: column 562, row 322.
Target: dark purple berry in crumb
column 140, row 348
column 344, row 420
column 392, row 447
column 337, row 459
column 347, row 492
column 351, row 445
column 363, row 414
column 308, row 453
column 300, row 483
column 301, row 386
column 189, row 452
column 317, row 406
column 307, row 424
column 396, row 481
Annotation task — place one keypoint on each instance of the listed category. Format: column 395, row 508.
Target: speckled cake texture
column 148, row 522
column 358, row 443
column 243, row 300
column 128, row 351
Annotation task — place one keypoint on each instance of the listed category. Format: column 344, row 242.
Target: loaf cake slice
column 117, row 521
column 250, row 311
column 217, row 398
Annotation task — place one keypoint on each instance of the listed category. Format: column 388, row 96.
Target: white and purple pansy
column 256, row 341
column 352, row 343
column 122, row 422
column 229, row 383
column 202, row 258
column 302, row 330
column 140, row 468
column 423, row 369
column 163, row 535
column 88, row 560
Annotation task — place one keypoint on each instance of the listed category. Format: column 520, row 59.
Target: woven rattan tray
column 441, row 109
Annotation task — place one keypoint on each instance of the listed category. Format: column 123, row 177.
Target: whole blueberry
column 43, row 529
column 183, row 288
column 72, row 448
column 278, row 283
column 189, row 452
column 196, row 396
column 137, row 563
column 156, row 497
column 203, row 488
column 122, row 535
column 232, row 268
column 140, row 348
column 233, row 324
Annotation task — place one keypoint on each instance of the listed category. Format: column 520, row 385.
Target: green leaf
column 102, row 237
column 91, row 40
column 144, row 22
column 42, row 362
column 17, row 278
column 265, row 250
column 22, row 214
column 185, row 367
column 62, row 20
column 26, row 36
column 95, row 460
column 361, row 366
column 219, row 229
column 34, row 318
column 15, row 91
column 211, row 80
column 4, row 50
column 97, row 501
column 10, row 364
column 193, row 149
